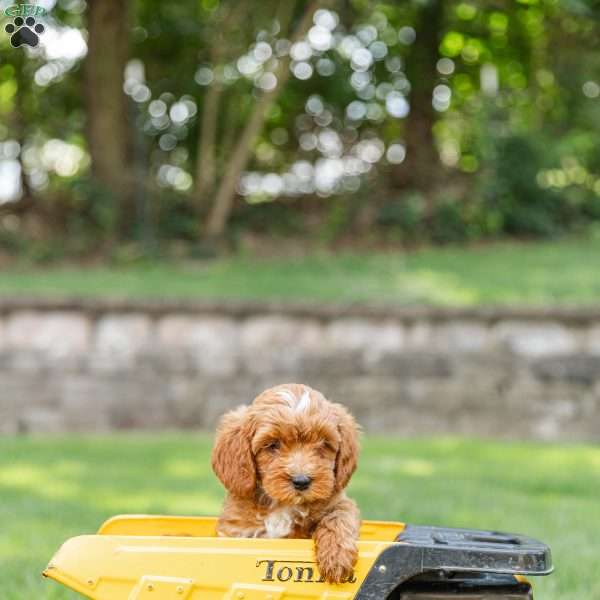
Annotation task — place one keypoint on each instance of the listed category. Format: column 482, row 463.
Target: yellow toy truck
column 137, row 557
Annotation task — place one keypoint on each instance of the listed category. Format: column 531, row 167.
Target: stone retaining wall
column 94, row 366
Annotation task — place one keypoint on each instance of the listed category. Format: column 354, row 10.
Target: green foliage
column 404, row 215
column 449, row 223
column 95, row 211
column 522, row 206
column 266, row 218
column 514, row 194
column 517, row 140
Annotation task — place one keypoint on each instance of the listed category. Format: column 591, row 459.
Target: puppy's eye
column 328, row 446
column 273, row 446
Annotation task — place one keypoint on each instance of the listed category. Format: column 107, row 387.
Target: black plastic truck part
column 435, row 563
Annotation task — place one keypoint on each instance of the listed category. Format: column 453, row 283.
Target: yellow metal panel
column 248, row 591
column 121, row 567
column 167, row 588
column 159, row 525
column 205, row 527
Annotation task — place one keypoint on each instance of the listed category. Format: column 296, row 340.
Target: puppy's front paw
column 336, row 561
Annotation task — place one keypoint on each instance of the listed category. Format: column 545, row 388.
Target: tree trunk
column 206, row 163
column 108, row 131
column 222, row 49
column 223, row 205
column 420, row 169
column 19, row 130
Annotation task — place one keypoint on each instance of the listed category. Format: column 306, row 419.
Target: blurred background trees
column 166, row 125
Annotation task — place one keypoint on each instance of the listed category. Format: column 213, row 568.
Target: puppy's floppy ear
column 232, row 458
column 347, row 456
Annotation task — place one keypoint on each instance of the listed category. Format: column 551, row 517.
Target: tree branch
column 221, row 211
column 207, row 140
column 206, row 163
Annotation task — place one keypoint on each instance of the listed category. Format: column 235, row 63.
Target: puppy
column 285, row 461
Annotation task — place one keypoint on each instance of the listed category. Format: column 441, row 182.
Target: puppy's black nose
column 301, row 482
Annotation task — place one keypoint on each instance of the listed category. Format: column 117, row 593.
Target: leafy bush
column 403, row 216
column 449, row 223
column 522, row 205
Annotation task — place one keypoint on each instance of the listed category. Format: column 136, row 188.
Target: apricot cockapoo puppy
column 285, row 461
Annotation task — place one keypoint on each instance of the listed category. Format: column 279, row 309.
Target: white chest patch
column 278, row 524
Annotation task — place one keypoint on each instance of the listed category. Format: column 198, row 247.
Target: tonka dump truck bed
column 172, row 558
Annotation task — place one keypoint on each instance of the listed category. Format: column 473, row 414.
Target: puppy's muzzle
column 301, row 482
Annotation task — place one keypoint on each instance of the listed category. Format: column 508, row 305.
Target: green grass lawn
column 53, row 488
column 527, row 273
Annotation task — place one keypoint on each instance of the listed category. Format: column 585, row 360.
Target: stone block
column 210, row 345
column 275, row 344
column 27, row 400
column 99, row 403
column 222, row 396
column 372, row 339
column 577, row 368
column 340, row 363
column 19, row 390
column 419, row 336
column 375, row 401
column 556, row 415
column 86, row 400
column 55, row 337
column 42, row 420
column 120, row 340
column 419, row 365
column 592, row 340
column 534, row 340
column 461, row 337
column 186, row 401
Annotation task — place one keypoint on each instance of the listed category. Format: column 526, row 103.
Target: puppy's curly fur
column 285, row 461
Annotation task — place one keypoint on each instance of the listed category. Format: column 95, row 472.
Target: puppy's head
column 290, row 442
